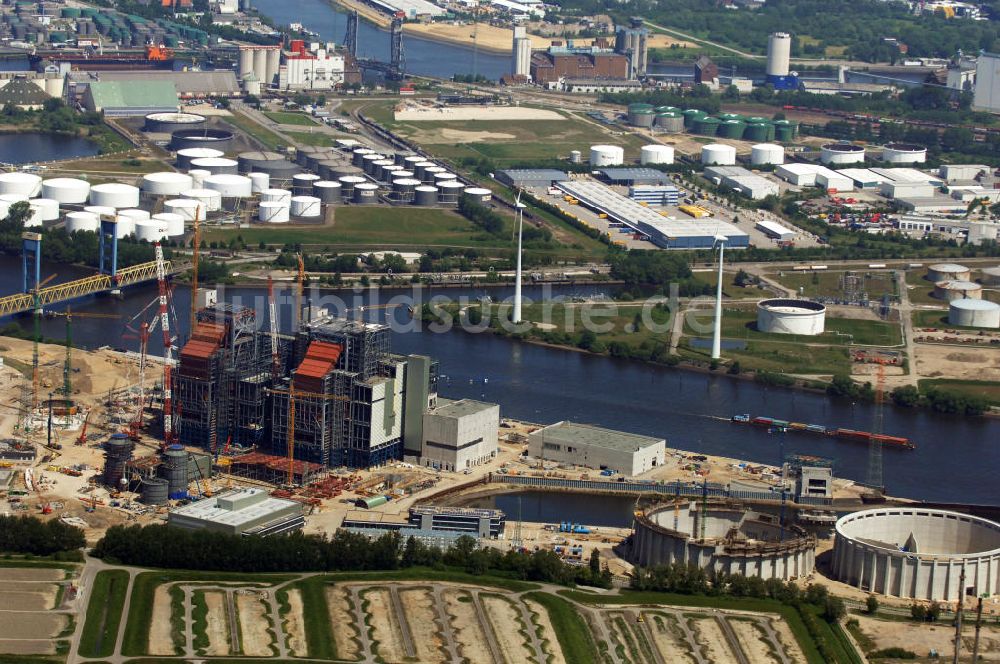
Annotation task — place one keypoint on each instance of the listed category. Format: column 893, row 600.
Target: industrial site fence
column 686, row 489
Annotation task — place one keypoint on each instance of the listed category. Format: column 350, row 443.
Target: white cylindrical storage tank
column 134, row 214
column 246, row 62
column 173, row 221
column 948, row 272
column 260, row 64
column 209, row 199
column 365, row 193
column 47, row 209
column 841, row 153
column 327, row 191
column 449, row 191
column 150, row 230
column 186, row 155
column 82, row 221
column 425, row 195
column 68, row 191
column 779, row 54
column 115, row 194
column 656, row 154
column 276, row 196
column 185, row 208
column 302, row 183
column 478, row 194
column 904, row 153
column 259, row 182
column 13, row 198
column 606, row 155
column 216, row 165
column 717, row 154
column 229, row 185
column 767, row 153
column 305, row 206
column 198, row 176
column 272, row 212
column 26, row 184
column 124, row 226
column 166, row 183
column 575, row 157
column 991, row 276
column 101, row 210
column 273, row 64
column 34, row 218
column 974, row 313
column 956, row 290
column 790, row 316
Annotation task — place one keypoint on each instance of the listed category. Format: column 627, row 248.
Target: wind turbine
column 516, row 316
column 720, row 241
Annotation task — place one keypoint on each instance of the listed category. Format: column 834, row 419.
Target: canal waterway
column 956, row 458
column 29, row 148
column 423, row 57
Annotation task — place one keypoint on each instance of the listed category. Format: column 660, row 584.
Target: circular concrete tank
column 917, row 553
column 948, row 272
column 957, row 290
column 974, row 313
column 790, row 316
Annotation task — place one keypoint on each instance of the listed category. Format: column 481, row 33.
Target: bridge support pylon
column 31, row 261
column 108, row 239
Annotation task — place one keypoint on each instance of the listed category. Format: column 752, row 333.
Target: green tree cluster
column 27, row 534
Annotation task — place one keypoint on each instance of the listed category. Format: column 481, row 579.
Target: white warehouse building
column 594, row 447
column 814, row 175
column 459, row 434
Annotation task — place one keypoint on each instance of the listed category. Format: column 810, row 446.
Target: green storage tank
column 89, row 12
column 769, row 127
column 70, row 12
column 730, row 116
column 634, row 108
column 57, row 37
column 756, row 132
column 706, row 126
column 691, row 115
column 170, row 41
column 667, row 109
column 784, row 131
column 732, row 129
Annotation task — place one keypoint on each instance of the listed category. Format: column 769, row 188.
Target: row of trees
column 27, row 534
column 168, row 547
column 940, row 399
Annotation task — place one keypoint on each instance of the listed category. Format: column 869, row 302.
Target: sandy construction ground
column 921, row 638
column 416, row 113
column 27, row 646
column 753, row 642
column 550, row 642
column 218, row 624
column 255, row 636
column 468, row 631
column 418, row 604
column 160, row 640
column 508, row 627
column 667, row 638
column 788, row 641
column 488, row 37
column 383, row 622
column 17, row 625
column 28, row 601
column 31, row 574
column 345, row 632
column 935, row 360
column 713, row 642
column 294, row 628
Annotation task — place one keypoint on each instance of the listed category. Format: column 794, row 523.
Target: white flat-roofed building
column 863, row 178
column 960, row 172
column 743, row 181
column 814, row 175
column 986, row 96
column 594, row 447
column 906, row 189
column 910, row 175
column 459, row 434
column 775, row 230
column 249, row 511
column 662, row 231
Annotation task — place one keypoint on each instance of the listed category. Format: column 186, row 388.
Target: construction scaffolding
column 273, row 468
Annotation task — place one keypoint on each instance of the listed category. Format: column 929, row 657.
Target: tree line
column 28, row 534
column 176, row 548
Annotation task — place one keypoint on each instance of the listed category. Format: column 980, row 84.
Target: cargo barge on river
column 843, row 434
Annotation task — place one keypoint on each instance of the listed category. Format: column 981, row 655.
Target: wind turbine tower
column 720, row 241
column 516, row 315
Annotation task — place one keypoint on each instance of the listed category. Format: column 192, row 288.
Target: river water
column 30, row 148
column 422, row 57
column 956, row 458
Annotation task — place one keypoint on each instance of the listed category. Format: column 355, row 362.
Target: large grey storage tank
column 117, row 453
column 420, row 169
column 449, row 191
column 400, row 157
column 175, row 469
column 154, row 490
column 302, row 154
column 368, row 161
column 327, row 191
column 302, row 184
column 425, row 195
column 365, row 193
column 403, row 188
column 378, row 169
column 218, row 139
column 358, row 155
column 272, row 163
column 168, row 123
column 335, row 171
column 347, row 185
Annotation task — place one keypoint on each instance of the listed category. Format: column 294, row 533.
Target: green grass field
column 985, row 389
column 574, row 636
column 288, row 118
column 394, row 228
column 741, row 324
column 311, row 138
column 831, row 284
column 268, row 138
column 104, row 613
